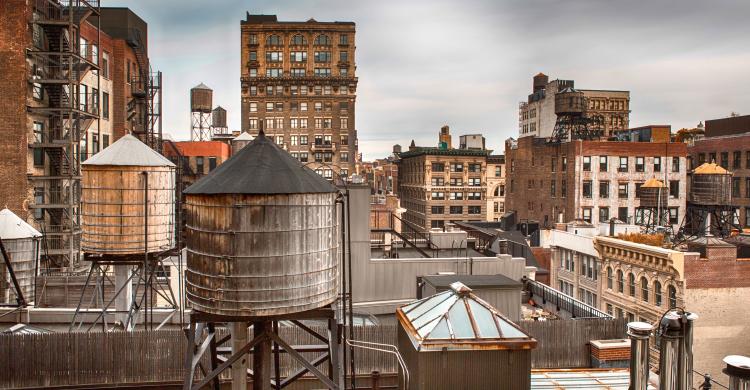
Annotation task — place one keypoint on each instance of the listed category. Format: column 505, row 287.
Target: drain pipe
column 670, row 334
column 738, row 370
column 639, row 333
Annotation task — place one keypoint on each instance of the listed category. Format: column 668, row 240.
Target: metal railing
column 563, row 301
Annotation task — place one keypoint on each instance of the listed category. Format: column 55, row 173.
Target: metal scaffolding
column 60, row 59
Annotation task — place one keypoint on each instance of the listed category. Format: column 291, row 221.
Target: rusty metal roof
column 458, row 319
column 261, row 168
column 611, row 379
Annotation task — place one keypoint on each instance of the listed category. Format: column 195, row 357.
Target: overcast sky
column 467, row 63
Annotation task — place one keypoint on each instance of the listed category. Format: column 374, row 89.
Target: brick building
column 590, row 180
column 495, row 187
column 196, row 158
column 536, row 115
column 298, row 80
column 727, row 142
column 60, row 89
column 441, row 184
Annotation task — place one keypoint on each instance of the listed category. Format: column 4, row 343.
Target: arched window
column 620, row 282
column 299, row 40
column 644, row 289
column 657, row 293
column 672, row 292
column 609, row 277
column 631, row 284
column 323, row 40
column 273, row 40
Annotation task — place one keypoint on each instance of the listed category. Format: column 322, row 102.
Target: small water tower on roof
column 653, row 210
column 201, row 102
column 21, row 242
column 262, row 246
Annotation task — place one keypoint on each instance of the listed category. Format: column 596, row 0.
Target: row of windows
column 297, row 123
column 299, row 72
column 622, row 189
column 456, row 210
column 457, row 167
column 318, row 140
column 623, row 162
column 300, row 56
column 642, row 290
column 724, row 160
column 298, row 106
column 457, row 181
column 320, row 157
column 299, row 39
column 623, row 214
column 456, row 195
column 301, row 90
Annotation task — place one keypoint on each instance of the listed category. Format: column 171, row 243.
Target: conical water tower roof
column 259, row 168
column 711, row 169
column 129, row 150
column 201, row 86
column 12, row 227
column 653, row 183
column 245, row 136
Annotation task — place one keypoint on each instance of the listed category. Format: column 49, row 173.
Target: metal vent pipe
column 670, row 335
column 685, row 365
column 639, row 333
column 738, row 370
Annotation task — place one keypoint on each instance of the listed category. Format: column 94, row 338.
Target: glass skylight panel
column 484, row 319
column 460, row 322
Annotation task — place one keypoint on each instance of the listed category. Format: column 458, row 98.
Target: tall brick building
column 590, row 180
column 536, row 115
column 442, row 184
column 727, row 142
column 70, row 87
column 299, row 83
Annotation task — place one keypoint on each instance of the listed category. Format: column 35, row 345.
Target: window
column 323, row 40
column 94, row 144
column 657, row 164
column 279, row 140
column 438, row 167
column 552, row 190
column 587, row 189
column 322, row 56
column 586, row 163
column 105, row 105
column 564, row 163
column 437, row 209
column 474, row 195
column 303, row 140
column 438, row 196
column 199, row 165
column 737, row 160
column 725, row 160
column 610, row 276
column 303, row 106
column 622, row 190
column 318, row 106
column 344, row 106
column 587, row 214
column 322, row 72
column 437, row 223
column 299, row 72
column 736, row 187
column 303, row 157
column 456, row 196
column 83, row 97
column 211, row 163
column 344, row 139
column 563, row 188
column 105, row 140
column 343, row 39
column 344, row 56
column 631, row 284
column 344, row 123
column 644, row 289
column 274, row 40
column 604, row 189
column 623, row 167
column 253, row 90
column 457, row 209
column 273, row 72
column 344, row 157
column 638, row 190
column 253, row 56
column 253, row 39
column 269, row 107
column 254, row 107
column 438, row 181
column 475, row 181
column 475, row 209
column 475, row 168
column 603, row 214
column 298, row 56
column 602, row 163
column 674, row 189
column 673, row 215
column 553, row 164
column 672, row 293
column 498, row 171
column 274, row 56
column 299, row 40
column 105, row 64
column 675, row 164
column 38, row 128
column 657, row 293
column 639, row 164
column 712, row 157
column 622, row 214
column 457, row 167
column 39, row 199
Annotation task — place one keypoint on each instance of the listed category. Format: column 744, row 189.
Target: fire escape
column 144, row 108
column 60, row 60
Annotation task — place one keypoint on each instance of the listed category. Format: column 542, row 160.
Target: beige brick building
column 495, row 187
column 536, row 115
column 438, row 185
column 299, row 83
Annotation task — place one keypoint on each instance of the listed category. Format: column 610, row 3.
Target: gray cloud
column 424, row 63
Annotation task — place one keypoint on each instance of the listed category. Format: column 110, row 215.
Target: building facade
column 442, row 185
column 299, row 83
column 495, row 187
column 591, row 180
column 536, row 115
column 727, row 142
column 54, row 117
column 196, row 158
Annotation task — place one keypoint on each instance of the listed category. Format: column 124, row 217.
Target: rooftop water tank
column 241, row 141
column 262, row 236
column 711, row 185
column 201, row 98
column 114, row 196
column 21, row 242
column 570, row 102
column 219, row 117
column 654, row 194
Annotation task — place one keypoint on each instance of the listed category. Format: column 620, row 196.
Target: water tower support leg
column 239, row 369
column 124, row 285
column 262, row 357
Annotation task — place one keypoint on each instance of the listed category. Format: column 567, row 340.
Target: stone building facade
column 441, row 185
column 590, row 180
column 299, row 83
column 536, row 115
column 495, row 187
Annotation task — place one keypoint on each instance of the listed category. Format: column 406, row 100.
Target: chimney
column 676, row 350
column 738, row 370
column 445, row 138
column 639, row 333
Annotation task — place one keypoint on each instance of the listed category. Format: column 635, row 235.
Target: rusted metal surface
column 261, row 255
column 112, row 204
